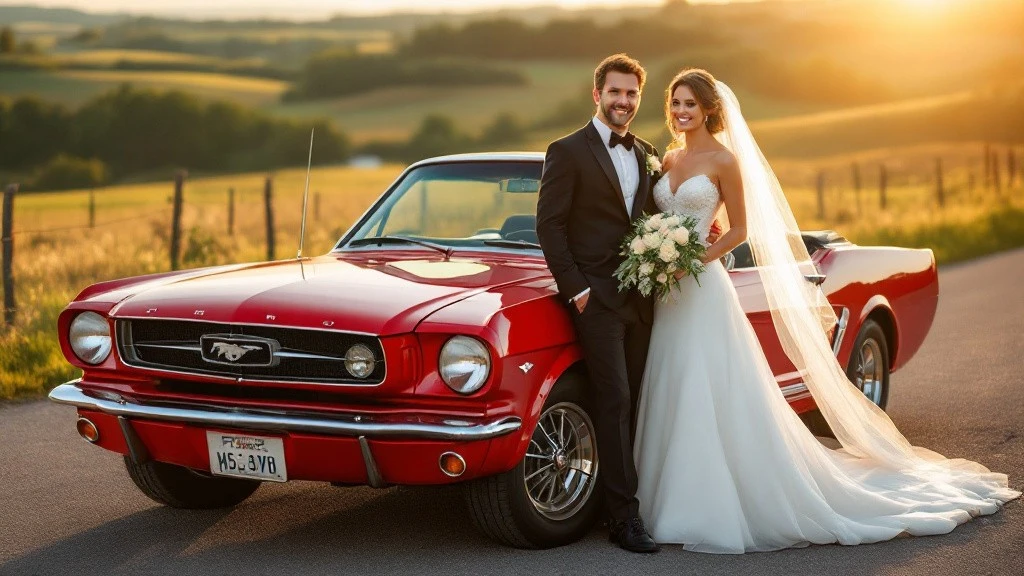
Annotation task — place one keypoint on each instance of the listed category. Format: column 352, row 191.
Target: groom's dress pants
column 615, row 351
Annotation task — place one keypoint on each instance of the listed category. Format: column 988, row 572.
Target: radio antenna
column 305, row 195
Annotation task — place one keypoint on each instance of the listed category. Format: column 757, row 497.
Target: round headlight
column 89, row 337
column 464, row 364
column 359, row 361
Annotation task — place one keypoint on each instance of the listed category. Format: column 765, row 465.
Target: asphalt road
column 69, row 508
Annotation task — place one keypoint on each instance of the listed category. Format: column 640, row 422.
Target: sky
column 305, row 9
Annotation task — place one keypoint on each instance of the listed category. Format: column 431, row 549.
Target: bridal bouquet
column 659, row 247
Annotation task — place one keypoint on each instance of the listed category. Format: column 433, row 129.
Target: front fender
column 506, row 452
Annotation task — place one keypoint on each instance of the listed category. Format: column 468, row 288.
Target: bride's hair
column 702, row 84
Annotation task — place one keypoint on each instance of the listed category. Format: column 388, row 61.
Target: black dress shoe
column 631, row 535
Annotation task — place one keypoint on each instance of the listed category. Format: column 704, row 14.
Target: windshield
column 467, row 204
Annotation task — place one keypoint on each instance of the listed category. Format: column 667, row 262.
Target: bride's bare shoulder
column 670, row 158
column 724, row 158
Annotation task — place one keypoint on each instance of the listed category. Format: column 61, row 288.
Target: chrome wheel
column 869, row 373
column 560, row 468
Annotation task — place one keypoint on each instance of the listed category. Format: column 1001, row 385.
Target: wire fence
column 832, row 194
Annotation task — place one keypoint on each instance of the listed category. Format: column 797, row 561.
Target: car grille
column 299, row 355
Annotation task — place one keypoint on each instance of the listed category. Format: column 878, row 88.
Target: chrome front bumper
column 355, row 425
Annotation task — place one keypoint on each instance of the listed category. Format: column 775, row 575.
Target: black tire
column 180, row 487
column 871, row 341
column 872, row 337
column 502, row 507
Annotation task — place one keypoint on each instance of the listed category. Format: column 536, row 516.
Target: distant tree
column 505, row 130
column 287, row 144
column 63, row 172
column 437, row 135
column 574, row 111
column 131, row 131
column 32, row 132
column 7, row 41
column 29, row 47
column 87, row 36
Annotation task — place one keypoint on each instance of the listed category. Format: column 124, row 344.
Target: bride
column 724, row 463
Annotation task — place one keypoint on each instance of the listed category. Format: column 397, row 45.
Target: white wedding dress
column 724, row 463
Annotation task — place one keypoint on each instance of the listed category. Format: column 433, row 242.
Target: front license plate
column 245, row 456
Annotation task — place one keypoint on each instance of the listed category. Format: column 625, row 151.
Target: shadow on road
column 315, row 529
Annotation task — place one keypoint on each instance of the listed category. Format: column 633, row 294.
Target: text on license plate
column 245, row 456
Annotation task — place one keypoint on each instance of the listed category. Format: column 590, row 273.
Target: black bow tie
column 626, row 141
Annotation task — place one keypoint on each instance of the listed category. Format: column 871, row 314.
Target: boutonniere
column 653, row 164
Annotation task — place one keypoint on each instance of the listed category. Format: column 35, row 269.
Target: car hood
column 373, row 294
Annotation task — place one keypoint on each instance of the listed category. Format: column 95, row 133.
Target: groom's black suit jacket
column 582, row 219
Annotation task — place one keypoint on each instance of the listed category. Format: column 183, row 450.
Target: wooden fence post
column 1011, row 168
column 856, row 186
column 7, row 238
column 883, row 181
column 231, row 211
column 821, row 195
column 987, row 154
column 179, row 182
column 268, row 201
column 996, row 177
column 92, row 208
column 940, row 193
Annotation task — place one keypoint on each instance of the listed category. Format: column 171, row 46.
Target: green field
column 109, row 57
column 74, row 87
column 395, row 113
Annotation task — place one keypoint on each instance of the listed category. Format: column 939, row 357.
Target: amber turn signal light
column 452, row 464
column 88, row 430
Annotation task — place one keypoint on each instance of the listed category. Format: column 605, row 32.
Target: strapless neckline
column 697, row 196
column 675, row 190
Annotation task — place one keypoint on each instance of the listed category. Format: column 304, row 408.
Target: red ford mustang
column 428, row 347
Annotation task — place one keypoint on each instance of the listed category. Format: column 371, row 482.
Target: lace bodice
column 697, row 197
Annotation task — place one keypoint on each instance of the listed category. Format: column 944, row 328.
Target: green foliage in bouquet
column 659, row 247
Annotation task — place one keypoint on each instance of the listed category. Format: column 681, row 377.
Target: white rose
column 681, row 235
column 662, row 278
column 637, row 245
column 665, row 229
column 668, row 241
column 654, row 222
column 673, row 220
column 671, row 267
column 652, row 240
column 654, row 163
column 668, row 253
column 646, row 268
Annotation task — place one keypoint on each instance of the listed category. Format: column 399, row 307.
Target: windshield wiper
column 394, row 239
column 512, row 244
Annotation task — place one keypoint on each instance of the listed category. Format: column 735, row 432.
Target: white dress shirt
column 626, row 168
column 625, row 164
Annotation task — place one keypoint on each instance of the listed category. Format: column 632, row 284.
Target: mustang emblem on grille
column 232, row 351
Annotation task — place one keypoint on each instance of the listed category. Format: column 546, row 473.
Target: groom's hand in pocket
column 581, row 302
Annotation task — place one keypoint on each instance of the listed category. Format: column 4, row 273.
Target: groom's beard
column 619, row 116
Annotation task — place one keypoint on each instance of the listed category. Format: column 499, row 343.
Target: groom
column 596, row 181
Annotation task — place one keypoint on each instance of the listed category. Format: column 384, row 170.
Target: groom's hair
column 618, row 63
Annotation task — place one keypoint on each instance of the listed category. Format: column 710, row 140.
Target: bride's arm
column 731, row 186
